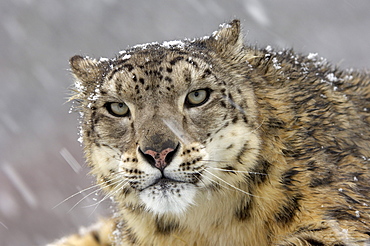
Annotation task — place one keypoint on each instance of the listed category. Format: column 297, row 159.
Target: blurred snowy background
column 41, row 162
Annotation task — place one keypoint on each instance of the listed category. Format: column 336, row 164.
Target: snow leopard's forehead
column 157, row 71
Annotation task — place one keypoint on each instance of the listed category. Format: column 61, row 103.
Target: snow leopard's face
column 165, row 124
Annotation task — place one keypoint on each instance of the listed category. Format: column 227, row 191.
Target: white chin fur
column 169, row 198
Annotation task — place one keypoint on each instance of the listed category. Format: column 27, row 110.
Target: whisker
column 116, row 152
column 202, row 176
column 75, row 194
column 94, row 191
column 79, row 192
column 227, row 170
column 236, row 188
column 238, row 171
column 115, row 190
column 259, row 126
column 213, row 181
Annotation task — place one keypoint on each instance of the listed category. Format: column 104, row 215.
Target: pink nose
column 161, row 159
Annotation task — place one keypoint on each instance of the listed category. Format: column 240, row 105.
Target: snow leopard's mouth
column 164, row 183
column 167, row 195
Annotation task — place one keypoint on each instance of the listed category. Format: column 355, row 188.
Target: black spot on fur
column 314, row 242
column 111, row 75
column 187, row 76
column 287, row 211
column 242, row 151
column 125, row 191
column 349, row 199
column 141, row 80
column 223, row 104
column 129, row 234
column 259, row 172
column 96, row 236
column 309, row 229
column 175, row 60
column 276, row 123
column 341, row 214
column 206, row 73
column 245, row 119
column 169, row 70
column 229, row 169
column 288, row 177
column 168, row 79
column 165, row 227
column 230, row 97
column 230, row 146
column 192, row 62
column 324, row 178
column 118, row 87
column 243, row 211
column 93, row 115
column 311, row 165
column 214, row 187
column 129, row 67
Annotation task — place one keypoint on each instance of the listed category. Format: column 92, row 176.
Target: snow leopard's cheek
column 104, row 159
column 228, row 145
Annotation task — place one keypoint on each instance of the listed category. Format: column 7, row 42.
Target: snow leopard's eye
column 197, row 98
column 117, row 109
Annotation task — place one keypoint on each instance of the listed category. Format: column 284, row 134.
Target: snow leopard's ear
column 87, row 70
column 228, row 40
column 88, row 73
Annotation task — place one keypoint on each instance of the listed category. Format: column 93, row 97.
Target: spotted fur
column 276, row 152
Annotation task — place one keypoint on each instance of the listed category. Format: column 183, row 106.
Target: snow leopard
column 209, row 141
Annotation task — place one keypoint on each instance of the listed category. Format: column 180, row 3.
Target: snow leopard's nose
column 160, row 159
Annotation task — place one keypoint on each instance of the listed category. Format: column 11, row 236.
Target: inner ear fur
column 87, row 70
column 228, row 40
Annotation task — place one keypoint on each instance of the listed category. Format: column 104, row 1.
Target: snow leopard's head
column 165, row 124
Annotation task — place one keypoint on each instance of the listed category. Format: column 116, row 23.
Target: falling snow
column 70, row 160
column 257, row 11
column 18, row 182
column 40, row 160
